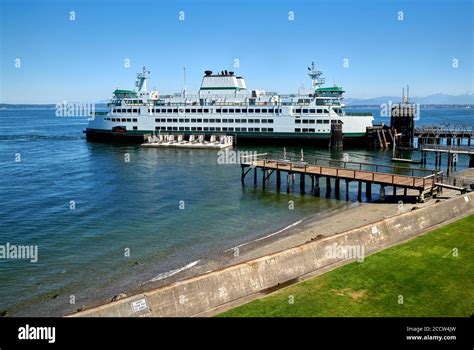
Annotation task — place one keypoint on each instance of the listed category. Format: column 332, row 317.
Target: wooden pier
column 425, row 185
column 452, row 153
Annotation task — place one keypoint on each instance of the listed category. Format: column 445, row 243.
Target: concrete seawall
column 199, row 294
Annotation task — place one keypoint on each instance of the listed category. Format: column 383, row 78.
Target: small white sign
column 139, row 305
column 374, row 230
column 466, row 198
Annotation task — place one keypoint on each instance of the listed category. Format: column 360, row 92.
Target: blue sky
column 83, row 60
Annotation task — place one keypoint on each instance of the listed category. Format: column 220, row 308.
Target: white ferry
column 224, row 106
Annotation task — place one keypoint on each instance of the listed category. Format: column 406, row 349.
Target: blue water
column 129, row 206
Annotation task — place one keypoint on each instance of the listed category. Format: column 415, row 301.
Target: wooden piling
column 302, row 183
column 328, row 186
column 368, row 190
column 278, row 180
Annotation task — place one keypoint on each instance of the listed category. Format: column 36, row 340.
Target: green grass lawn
column 432, row 275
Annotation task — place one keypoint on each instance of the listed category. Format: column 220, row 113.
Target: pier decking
column 425, row 185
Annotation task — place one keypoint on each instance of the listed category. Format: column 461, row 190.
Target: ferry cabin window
column 211, row 120
column 181, row 128
column 175, row 128
column 193, row 120
column 264, row 121
column 251, row 121
column 124, row 120
column 129, row 119
column 187, row 110
column 250, row 110
column 170, row 110
column 206, row 110
column 135, row 128
column 169, row 120
column 311, row 130
column 237, row 120
column 305, row 111
column 326, row 121
column 257, row 121
column 224, row 120
column 305, row 130
column 311, row 121
column 237, row 110
column 218, row 110
column 298, row 121
column 199, row 120
column 163, row 120
column 270, row 121
column 113, row 119
column 199, row 128
column 193, row 128
column 206, row 120
column 257, row 110
column 156, row 110
column 305, row 121
column 224, row 110
column 186, row 128
column 319, row 121
column 157, row 128
column 237, row 129
column 157, row 120
column 297, row 130
column 244, row 110
column 326, row 111
column 319, row 111
column 243, row 121
column 135, row 110
column 312, row 111
column 181, row 120
column 231, row 129
column 298, row 110
column 218, row 120
column 270, row 129
column 264, row 110
column 129, row 110
column 169, row 128
column 243, row 129
column 231, row 110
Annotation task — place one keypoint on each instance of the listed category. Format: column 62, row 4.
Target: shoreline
column 343, row 218
column 233, row 285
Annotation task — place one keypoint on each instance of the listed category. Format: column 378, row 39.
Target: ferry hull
column 97, row 135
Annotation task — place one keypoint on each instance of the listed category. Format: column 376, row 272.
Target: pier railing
column 345, row 169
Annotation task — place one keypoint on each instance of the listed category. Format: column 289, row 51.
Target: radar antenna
column 315, row 75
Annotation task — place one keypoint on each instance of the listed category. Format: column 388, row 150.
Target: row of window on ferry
column 200, row 110
column 208, row 128
column 226, row 110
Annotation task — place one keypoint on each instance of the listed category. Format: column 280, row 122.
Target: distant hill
column 440, row 98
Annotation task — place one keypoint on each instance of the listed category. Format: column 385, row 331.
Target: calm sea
column 103, row 224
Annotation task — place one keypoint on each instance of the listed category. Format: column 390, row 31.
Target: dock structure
column 427, row 185
column 452, row 153
column 194, row 141
column 436, row 134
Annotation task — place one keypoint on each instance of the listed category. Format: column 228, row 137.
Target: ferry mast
column 141, row 80
column 315, row 75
